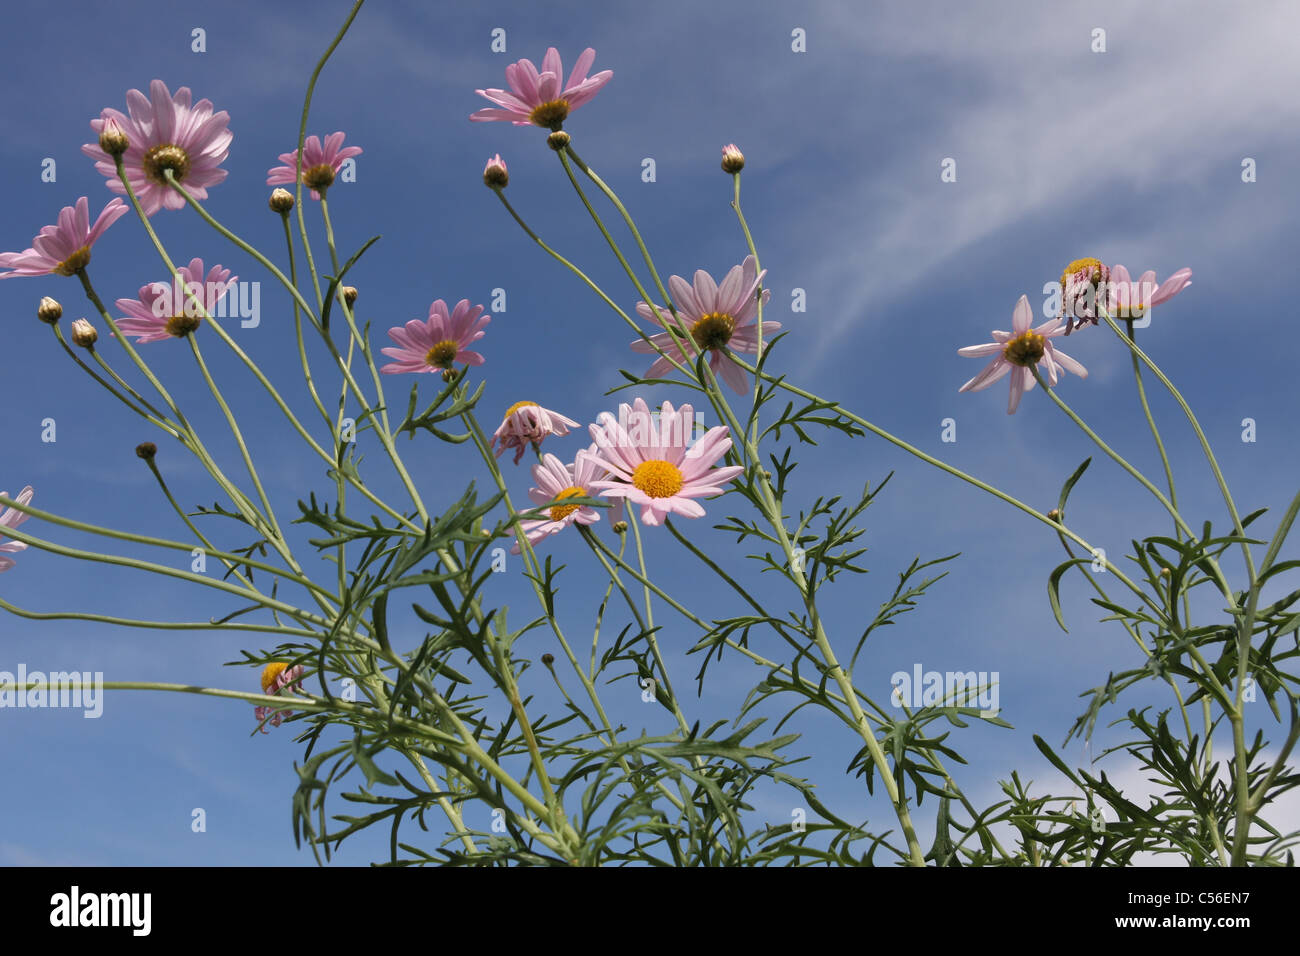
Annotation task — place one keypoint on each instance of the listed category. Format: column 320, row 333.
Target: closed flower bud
column 548, row 659
column 620, row 527
column 111, row 138
column 733, row 160
column 84, row 334
column 49, row 310
column 146, row 450
column 281, row 201
column 350, row 295
column 495, row 174
column 558, row 140
column 1054, row 515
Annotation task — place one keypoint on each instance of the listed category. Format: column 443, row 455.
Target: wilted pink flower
column 275, row 678
column 1132, row 300
column 12, row 518
column 651, row 464
column 528, row 422
column 1020, row 350
column 321, row 163
column 167, row 310
column 437, row 343
column 1083, row 283
column 63, row 248
column 165, row 132
column 714, row 317
column 556, row 480
column 536, row 99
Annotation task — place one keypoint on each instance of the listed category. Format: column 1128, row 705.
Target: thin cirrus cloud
column 1043, row 130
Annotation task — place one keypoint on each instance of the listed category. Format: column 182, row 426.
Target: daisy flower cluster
column 651, row 459
column 1087, row 286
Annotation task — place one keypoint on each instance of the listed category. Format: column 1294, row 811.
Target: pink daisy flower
column 321, row 161
column 12, row 518
column 64, row 248
column 1020, row 350
column 1133, row 300
column 711, row 316
column 528, row 422
column 165, row 310
column 275, row 678
column 165, row 132
column 536, row 99
column 650, row 464
column 439, row 342
column 555, row 481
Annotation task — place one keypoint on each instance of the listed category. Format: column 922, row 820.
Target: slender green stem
column 1200, row 434
column 279, row 629
column 161, row 569
column 268, row 511
column 592, row 285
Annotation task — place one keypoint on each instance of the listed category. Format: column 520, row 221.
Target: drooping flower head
column 164, row 132
column 439, row 342
column 711, row 316
column 12, row 518
column 527, row 422
column 652, row 463
column 275, row 678
column 64, row 247
column 556, row 481
column 1083, row 283
column 166, row 310
column 536, row 98
column 321, row 162
column 1131, row 299
column 1018, row 351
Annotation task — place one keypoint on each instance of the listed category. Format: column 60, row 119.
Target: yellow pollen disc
column 319, row 177
column 166, row 156
column 516, row 406
column 551, row 113
column 1093, row 267
column 74, row 262
column 1025, row 349
column 273, row 670
column 658, row 479
column 713, row 331
column 442, row 355
column 182, row 325
column 560, row 512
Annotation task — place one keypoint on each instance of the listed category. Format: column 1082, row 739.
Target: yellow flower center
column 442, row 355
column 269, row 675
column 1025, row 349
column 713, row 331
column 516, row 406
column 1094, row 268
column 657, row 478
column 560, row 512
column 182, row 325
column 319, row 177
column 165, row 156
column 74, row 263
column 551, row 113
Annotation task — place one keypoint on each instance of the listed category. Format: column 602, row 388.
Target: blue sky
column 1133, row 155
